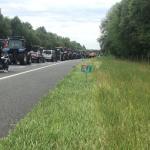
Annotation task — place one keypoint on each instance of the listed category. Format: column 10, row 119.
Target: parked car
column 49, row 55
column 37, row 55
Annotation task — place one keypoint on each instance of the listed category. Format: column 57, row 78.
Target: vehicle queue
column 15, row 51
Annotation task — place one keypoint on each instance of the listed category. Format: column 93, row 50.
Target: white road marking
column 32, row 70
column 17, row 67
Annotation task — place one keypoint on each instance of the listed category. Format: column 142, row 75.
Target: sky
column 77, row 19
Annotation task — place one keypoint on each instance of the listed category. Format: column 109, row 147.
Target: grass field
column 110, row 111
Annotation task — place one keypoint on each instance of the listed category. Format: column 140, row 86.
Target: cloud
column 77, row 19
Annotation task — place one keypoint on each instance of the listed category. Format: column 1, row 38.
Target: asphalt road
column 23, row 86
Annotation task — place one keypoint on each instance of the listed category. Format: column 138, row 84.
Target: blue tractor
column 17, row 51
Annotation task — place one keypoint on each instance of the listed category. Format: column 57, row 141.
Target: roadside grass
column 124, row 100
column 109, row 111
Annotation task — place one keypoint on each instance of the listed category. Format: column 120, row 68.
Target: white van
column 49, row 55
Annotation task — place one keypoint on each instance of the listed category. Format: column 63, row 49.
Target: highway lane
column 13, row 69
column 23, row 86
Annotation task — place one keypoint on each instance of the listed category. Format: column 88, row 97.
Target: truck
column 17, row 50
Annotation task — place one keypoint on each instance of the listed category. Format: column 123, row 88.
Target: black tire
column 7, row 67
column 29, row 60
column 52, row 60
column 23, row 59
column 38, row 60
column 44, row 60
column 62, row 58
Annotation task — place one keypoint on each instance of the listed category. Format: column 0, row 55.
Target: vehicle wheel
column 23, row 59
column 6, row 66
column 64, row 58
column 44, row 60
column 38, row 60
column 61, row 58
column 29, row 60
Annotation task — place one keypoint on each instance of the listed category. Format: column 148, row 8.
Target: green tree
column 5, row 27
column 15, row 27
column 126, row 29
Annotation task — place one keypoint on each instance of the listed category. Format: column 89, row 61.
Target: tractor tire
column 23, row 59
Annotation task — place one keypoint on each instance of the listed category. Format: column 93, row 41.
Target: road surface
column 23, row 86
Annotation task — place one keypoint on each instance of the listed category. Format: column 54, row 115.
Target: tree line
column 126, row 29
column 15, row 27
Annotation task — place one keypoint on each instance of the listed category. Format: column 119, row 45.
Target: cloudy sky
column 77, row 19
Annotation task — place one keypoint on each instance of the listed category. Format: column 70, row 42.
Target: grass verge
column 110, row 111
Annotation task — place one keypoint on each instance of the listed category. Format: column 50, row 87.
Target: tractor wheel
column 23, row 59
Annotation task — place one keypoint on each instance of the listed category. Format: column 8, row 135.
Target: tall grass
column 124, row 101
column 109, row 111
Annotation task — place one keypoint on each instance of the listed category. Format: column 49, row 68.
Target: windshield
column 47, row 52
column 15, row 44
